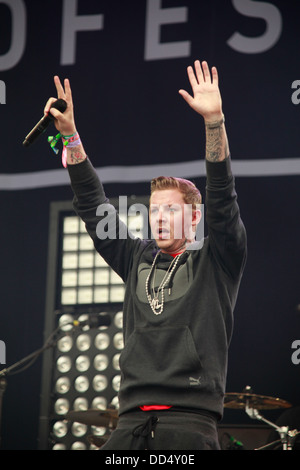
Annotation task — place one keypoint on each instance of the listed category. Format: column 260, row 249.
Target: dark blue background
column 129, row 113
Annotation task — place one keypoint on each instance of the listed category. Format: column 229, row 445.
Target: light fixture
column 81, row 372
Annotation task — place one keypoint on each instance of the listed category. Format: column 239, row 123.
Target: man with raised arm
column 180, row 293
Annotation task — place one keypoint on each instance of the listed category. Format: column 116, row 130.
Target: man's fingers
column 61, row 94
column 206, row 72
column 199, row 72
column 202, row 74
column 191, row 75
column 215, row 77
column 186, row 96
column 55, row 113
column 59, row 88
column 68, row 91
column 49, row 104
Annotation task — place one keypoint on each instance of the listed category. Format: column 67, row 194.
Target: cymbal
column 108, row 418
column 258, row 402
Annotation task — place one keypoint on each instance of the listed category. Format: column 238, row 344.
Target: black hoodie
column 179, row 357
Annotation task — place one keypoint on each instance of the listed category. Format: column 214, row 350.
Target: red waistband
column 154, row 407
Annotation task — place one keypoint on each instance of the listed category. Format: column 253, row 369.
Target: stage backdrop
column 126, row 61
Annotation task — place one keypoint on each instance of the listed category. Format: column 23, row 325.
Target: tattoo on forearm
column 77, row 156
column 216, row 144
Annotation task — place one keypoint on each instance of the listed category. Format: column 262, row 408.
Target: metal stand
column 287, row 437
column 27, row 362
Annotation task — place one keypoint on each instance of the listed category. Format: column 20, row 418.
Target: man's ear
column 196, row 217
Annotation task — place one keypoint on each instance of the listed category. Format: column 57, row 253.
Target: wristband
column 53, row 141
column 215, row 124
column 69, row 141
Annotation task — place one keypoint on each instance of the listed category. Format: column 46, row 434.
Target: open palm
column 206, row 99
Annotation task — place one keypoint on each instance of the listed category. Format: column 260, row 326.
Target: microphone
column 94, row 321
column 42, row 125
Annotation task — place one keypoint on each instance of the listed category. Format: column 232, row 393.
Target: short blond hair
column 191, row 194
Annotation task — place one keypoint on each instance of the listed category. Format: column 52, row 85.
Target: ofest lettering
column 157, row 16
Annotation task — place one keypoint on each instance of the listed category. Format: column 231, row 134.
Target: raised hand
column 205, row 86
column 73, row 152
column 64, row 122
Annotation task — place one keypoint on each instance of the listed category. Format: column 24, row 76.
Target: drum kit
column 100, row 418
column 246, row 400
column 252, row 403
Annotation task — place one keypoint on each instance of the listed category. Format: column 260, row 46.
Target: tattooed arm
column 207, row 102
column 65, row 122
column 226, row 232
column 217, row 148
column 76, row 155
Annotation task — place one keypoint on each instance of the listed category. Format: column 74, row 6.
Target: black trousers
column 164, row 430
